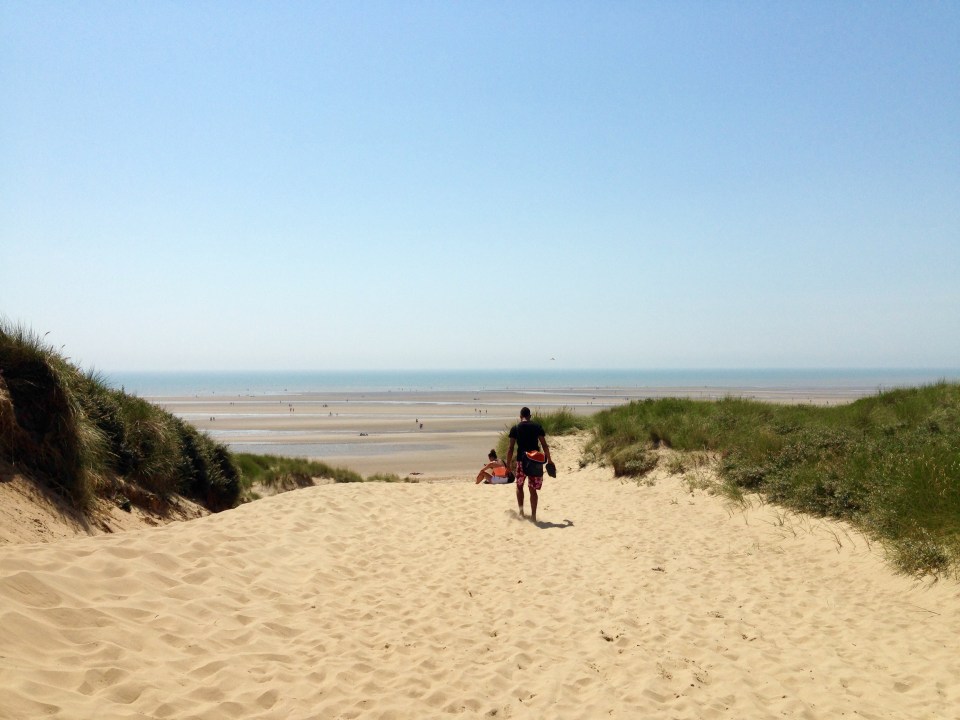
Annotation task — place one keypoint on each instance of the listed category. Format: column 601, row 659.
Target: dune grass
column 563, row 421
column 279, row 474
column 890, row 464
column 87, row 440
column 558, row 422
column 283, row 473
column 44, row 424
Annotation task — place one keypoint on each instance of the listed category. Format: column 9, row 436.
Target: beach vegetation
column 888, row 463
column 633, row 461
column 279, row 474
column 562, row 422
column 558, row 422
column 85, row 440
column 389, row 478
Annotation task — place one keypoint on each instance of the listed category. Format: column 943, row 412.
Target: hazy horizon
column 185, row 383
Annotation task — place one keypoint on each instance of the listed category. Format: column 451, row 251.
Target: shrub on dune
column 888, row 463
column 83, row 438
column 46, row 430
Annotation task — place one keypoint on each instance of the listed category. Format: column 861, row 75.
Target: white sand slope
column 427, row 600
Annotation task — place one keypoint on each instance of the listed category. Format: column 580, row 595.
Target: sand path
column 427, row 600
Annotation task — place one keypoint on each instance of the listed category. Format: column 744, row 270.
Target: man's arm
column 546, row 449
column 510, row 453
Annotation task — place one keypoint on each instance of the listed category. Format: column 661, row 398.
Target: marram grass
column 280, row 473
column 889, row 464
column 557, row 422
column 84, row 439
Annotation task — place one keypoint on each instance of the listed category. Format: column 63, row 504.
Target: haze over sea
column 211, row 383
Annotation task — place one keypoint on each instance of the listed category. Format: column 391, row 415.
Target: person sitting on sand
column 494, row 472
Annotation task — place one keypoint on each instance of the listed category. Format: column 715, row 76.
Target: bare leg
column 520, row 497
column 533, row 503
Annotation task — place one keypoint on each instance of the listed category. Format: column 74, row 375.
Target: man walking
column 527, row 436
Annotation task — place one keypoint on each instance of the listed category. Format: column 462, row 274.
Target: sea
column 254, row 383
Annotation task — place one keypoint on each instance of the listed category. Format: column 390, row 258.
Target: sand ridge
column 426, row 600
column 30, row 513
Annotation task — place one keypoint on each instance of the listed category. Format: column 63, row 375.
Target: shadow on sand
column 543, row 524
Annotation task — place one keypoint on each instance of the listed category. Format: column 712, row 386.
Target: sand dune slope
column 427, row 600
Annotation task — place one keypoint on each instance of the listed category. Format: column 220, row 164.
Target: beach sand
column 426, row 600
column 380, row 432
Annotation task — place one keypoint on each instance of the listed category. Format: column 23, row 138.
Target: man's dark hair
column 525, row 412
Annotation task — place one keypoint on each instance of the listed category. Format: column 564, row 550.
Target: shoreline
column 425, row 434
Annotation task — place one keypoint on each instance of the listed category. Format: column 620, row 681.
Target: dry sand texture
column 29, row 513
column 428, row 600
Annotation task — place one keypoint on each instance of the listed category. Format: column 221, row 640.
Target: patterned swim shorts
column 535, row 482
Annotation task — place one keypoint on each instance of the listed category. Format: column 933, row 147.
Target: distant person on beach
column 528, row 437
column 494, row 472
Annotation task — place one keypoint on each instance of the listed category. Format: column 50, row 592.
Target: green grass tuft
column 85, row 439
column 285, row 473
column 888, row 463
column 562, row 422
column 46, row 428
column 559, row 422
column 387, row 478
column 633, row 461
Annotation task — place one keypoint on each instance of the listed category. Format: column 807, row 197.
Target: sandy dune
column 426, row 600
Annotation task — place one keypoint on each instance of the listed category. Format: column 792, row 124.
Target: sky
column 484, row 185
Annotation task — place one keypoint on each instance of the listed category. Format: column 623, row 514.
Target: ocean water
column 211, row 383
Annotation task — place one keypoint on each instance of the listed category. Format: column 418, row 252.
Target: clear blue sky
column 330, row 185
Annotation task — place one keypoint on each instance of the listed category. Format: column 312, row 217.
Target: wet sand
column 432, row 435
